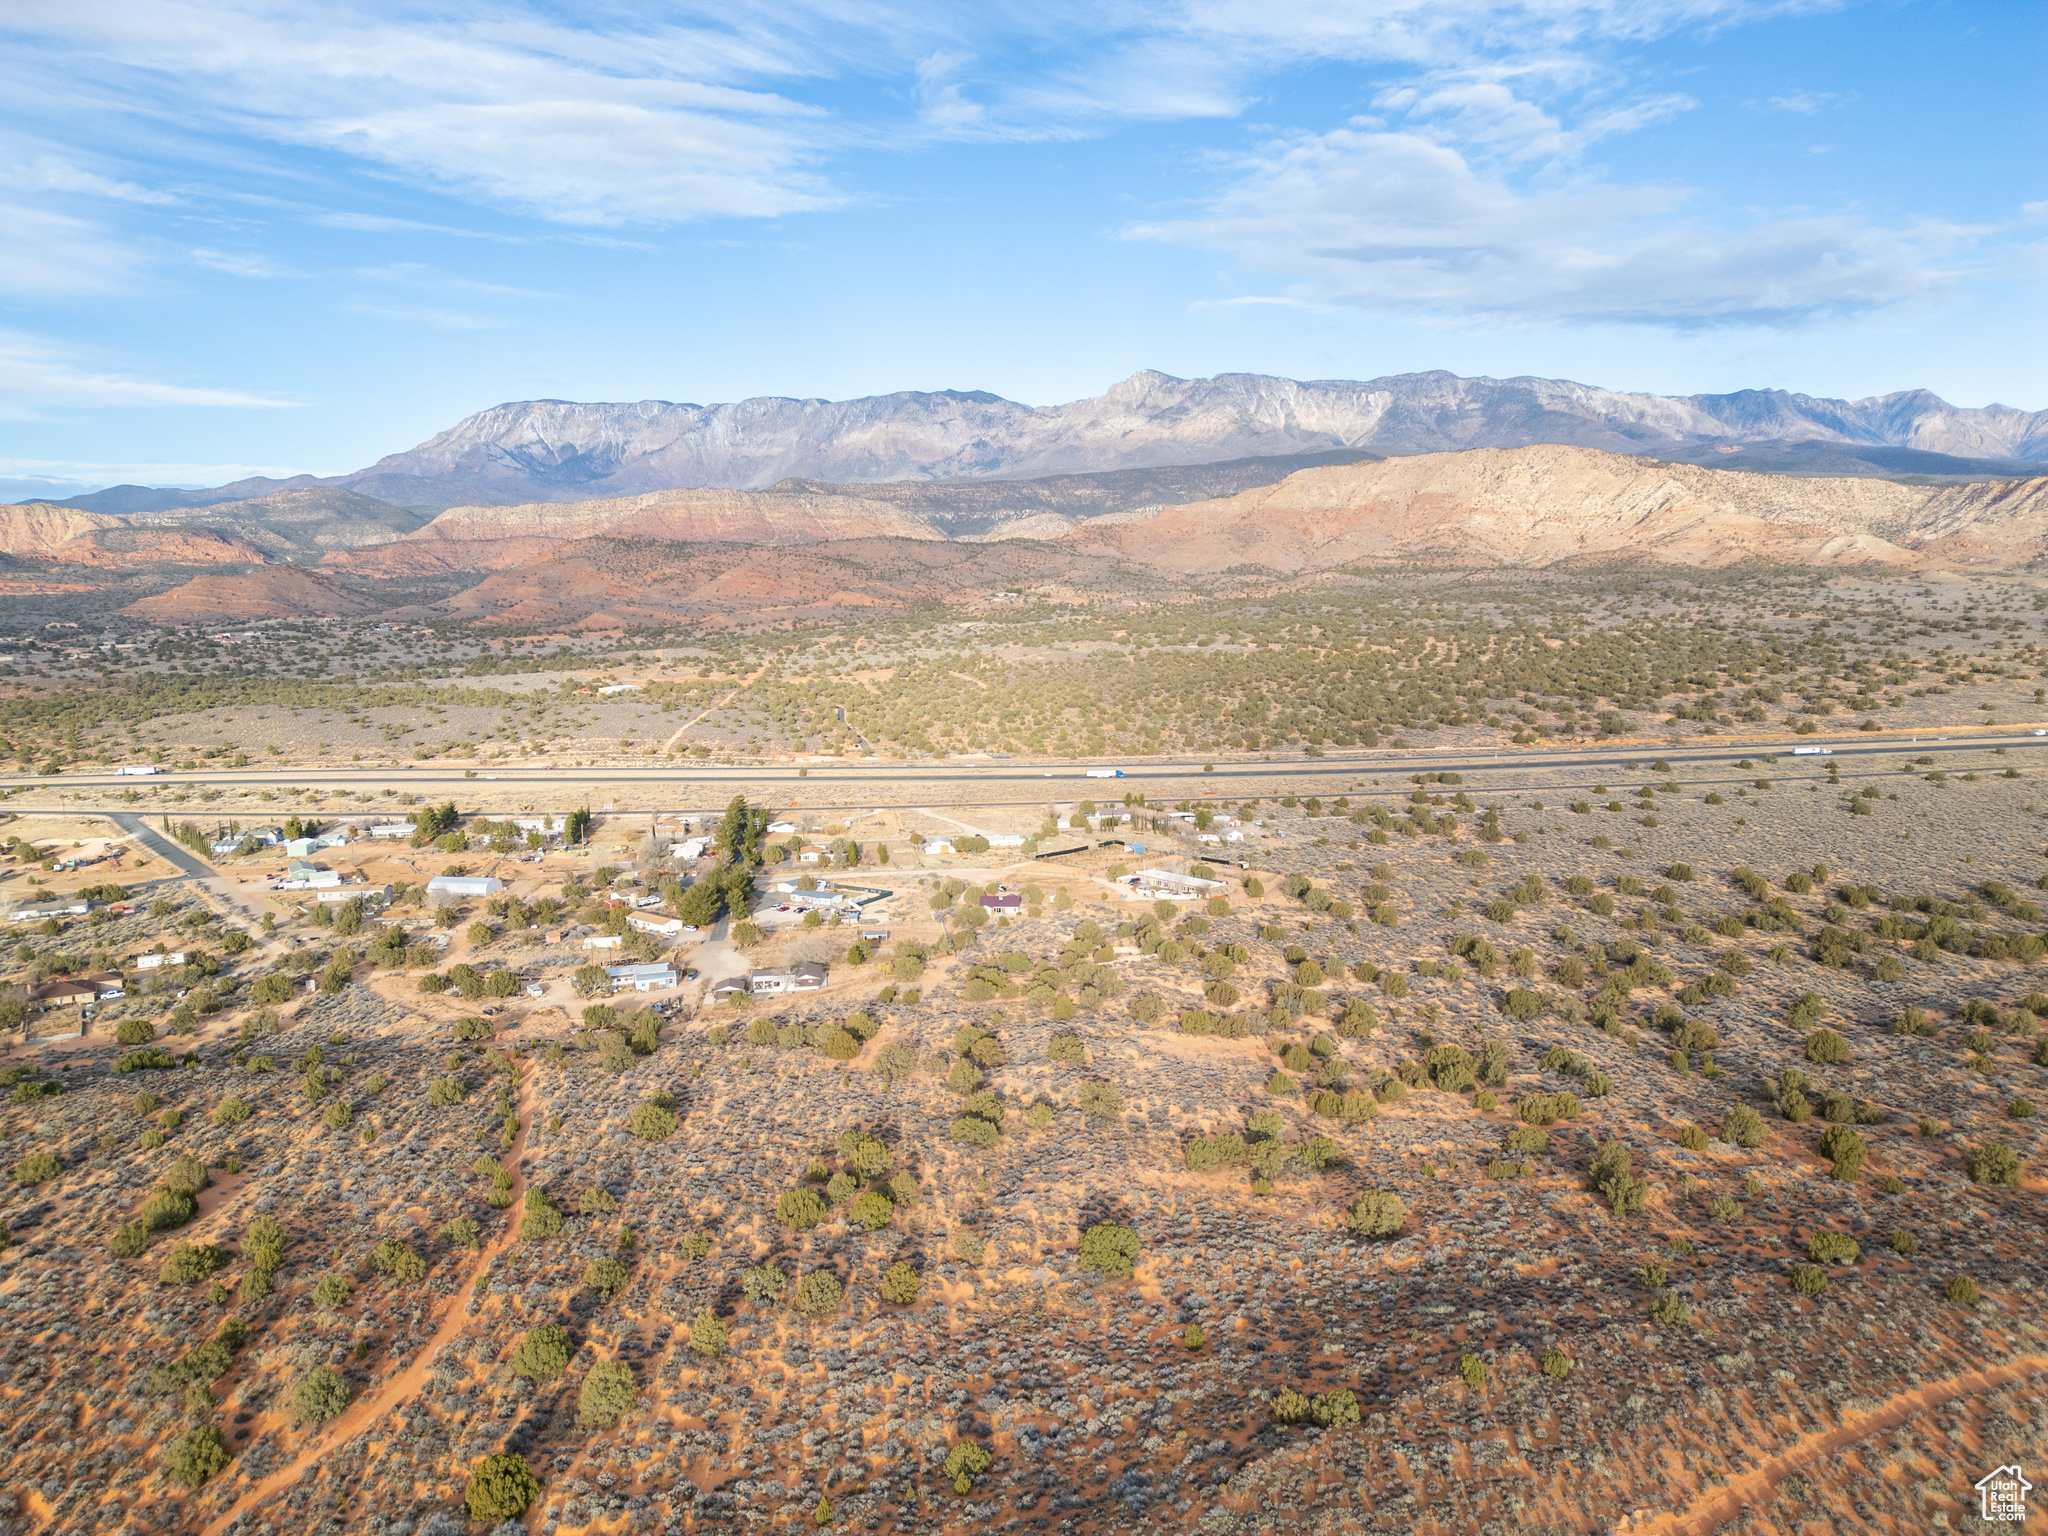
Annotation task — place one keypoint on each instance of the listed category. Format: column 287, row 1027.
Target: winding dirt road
column 367, row 1409
column 1719, row 1506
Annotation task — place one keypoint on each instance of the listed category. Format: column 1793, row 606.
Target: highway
column 911, row 786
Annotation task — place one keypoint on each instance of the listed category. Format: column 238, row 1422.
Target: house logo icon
column 2003, row 1495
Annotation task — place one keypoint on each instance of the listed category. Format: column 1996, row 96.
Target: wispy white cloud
column 50, row 173
column 941, row 99
column 601, row 123
column 428, row 316
column 381, row 224
column 241, row 264
column 46, row 254
column 77, row 476
column 39, row 379
column 1805, row 103
column 1399, row 222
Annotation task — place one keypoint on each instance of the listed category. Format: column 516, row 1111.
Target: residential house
column 155, row 962
column 657, row 976
column 1008, row 901
column 63, row 992
column 604, row 941
column 732, row 986
column 1158, row 884
column 38, row 911
column 805, row 976
column 395, row 829
column 374, row 895
column 450, row 887
column 811, row 853
column 660, row 927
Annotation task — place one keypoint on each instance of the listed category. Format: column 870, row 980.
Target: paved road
column 916, row 786
column 169, row 848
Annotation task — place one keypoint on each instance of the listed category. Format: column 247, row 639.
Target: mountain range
column 955, row 443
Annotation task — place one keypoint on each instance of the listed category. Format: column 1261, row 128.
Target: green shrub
column 542, row 1218
column 1826, row 1047
column 1206, row 1153
column 1845, row 1149
column 1742, row 1126
column 321, row 1394
column 168, row 1208
column 964, row 1463
column 1611, row 1173
column 1667, row 1309
column 900, row 1285
column 1109, row 1249
column 130, row 1240
column 1832, row 1248
column 1993, row 1163
column 37, row 1168
column 607, row 1277
column 501, row 1487
column 1332, row 1409
column 1547, row 1108
column 819, row 1294
column 1375, row 1213
column 653, row 1122
column 1808, row 1280
column 196, row 1455
column 609, row 1393
column 1472, row 1370
column 707, row 1334
column 1693, row 1139
column 446, row 1092
column 542, row 1353
column 1962, row 1291
column 191, row 1261
column 872, row 1210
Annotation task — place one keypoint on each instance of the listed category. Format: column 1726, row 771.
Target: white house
column 157, row 962
column 938, row 845
column 654, row 977
column 138, row 770
column 690, row 850
column 375, row 895
column 781, row 826
column 464, row 885
column 41, row 910
column 805, row 976
column 1006, row 839
column 660, row 927
column 611, row 688
column 1155, row 884
column 604, row 941
column 546, row 826
column 404, row 829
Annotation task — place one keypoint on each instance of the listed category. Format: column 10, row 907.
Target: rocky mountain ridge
column 531, row 451
column 1549, row 504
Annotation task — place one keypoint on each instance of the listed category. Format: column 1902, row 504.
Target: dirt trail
column 1710, row 1511
column 367, row 1409
column 670, row 744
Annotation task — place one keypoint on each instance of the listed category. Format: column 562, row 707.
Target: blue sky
column 248, row 236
